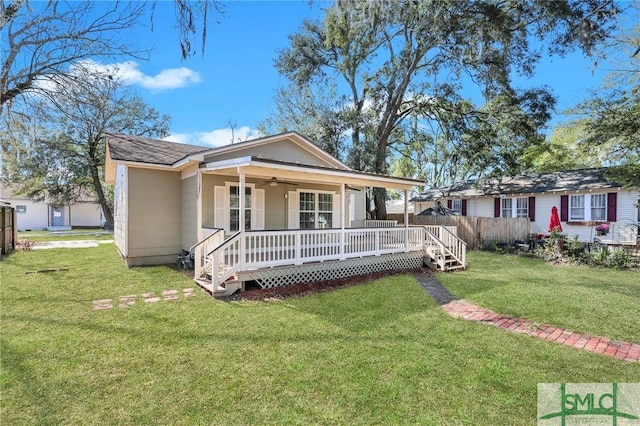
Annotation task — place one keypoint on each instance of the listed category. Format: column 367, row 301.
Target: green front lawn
column 597, row 301
column 378, row 353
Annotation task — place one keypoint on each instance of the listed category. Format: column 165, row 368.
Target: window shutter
column 449, row 204
column 294, row 210
column 496, row 207
column 337, row 205
column 532, row 209
column 612, row 207
column 464, row 207
column 564, row 208
column 257, row 221
column 220, row 212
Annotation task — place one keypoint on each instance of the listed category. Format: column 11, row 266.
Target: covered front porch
column 302, row 223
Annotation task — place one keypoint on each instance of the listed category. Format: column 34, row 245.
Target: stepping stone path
column 102, row 304
column 130, row 300
column 462, row 309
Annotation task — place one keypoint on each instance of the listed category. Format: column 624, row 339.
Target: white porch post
column 406, row 208
column 199, row 235
column 343, row 203
column 406, row 220
column 241, row 190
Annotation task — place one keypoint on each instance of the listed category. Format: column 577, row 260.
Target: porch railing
column 276, row 248
column 262, row 249
column 380, row 223
column 203, row 248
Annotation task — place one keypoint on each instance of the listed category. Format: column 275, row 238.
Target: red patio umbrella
column 554, row 220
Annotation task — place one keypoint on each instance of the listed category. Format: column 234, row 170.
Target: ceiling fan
column 274, row 181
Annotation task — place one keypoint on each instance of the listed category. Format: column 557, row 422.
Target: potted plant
column 602, row 229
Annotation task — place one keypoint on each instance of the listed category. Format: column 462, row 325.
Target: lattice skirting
column 325, row 271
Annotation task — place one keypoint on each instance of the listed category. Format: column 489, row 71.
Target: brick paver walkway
column 462, row 309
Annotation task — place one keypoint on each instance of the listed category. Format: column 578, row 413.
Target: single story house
column 34, row 215
column 585, row 198
column 274, row 210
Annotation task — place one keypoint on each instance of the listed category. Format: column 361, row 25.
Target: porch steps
column 451, row 263
column 225, row 289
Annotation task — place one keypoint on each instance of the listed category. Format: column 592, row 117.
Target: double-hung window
column 316, row 210
column 522, row 207
column 599, row 207
column 514, row 207
column 576, row 208
column 456, row 206
column 506, row 207
column 234, row 208
column 588, row 207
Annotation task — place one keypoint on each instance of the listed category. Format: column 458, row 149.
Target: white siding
column 36, row 218
column 627, row 213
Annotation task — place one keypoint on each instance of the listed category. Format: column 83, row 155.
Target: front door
column 57, row 216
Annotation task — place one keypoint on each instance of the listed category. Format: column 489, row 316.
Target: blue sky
column 235, row 81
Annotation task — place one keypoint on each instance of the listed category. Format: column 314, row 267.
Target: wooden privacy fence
column 8, row 234
column 481, row 232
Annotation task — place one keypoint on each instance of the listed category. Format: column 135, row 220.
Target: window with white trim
column 576, row 208
column 234, row 208
column 519, row 208
column 456, row 206
column 505, row 210
column 599, row 207
column 316, row 210
column 522, row 207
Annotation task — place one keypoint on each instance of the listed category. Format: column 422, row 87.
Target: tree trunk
column 97, row 187
column 380, row 200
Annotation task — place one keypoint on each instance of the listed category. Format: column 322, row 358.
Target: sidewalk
column 462, row 309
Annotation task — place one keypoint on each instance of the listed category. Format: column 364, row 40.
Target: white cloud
column 217, row 137
column 128, row 71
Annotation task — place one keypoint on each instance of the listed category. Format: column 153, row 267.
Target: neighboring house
column 585, row 199
column 274, row 210
column 34, row 215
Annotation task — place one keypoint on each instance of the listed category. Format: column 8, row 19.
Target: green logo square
column 567, row 404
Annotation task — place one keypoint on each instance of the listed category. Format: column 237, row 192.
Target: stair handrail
column 214, row 259
column 201, row 248
column 438, row 256
column 457, row 248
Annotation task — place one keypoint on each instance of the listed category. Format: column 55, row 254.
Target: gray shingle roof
column 530, row 182
column 151, row 151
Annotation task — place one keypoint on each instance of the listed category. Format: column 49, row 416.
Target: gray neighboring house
column 585, row 198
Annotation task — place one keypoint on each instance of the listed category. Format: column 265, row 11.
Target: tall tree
column 609, row 121
column 60, row 156
column 399, row 58
column 317, row 116
column 40, row 40
column 562, row 150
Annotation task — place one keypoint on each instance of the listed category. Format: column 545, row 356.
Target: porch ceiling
column 267, row 169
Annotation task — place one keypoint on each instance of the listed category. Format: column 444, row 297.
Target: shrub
column 620, row 259
column 25, row 244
